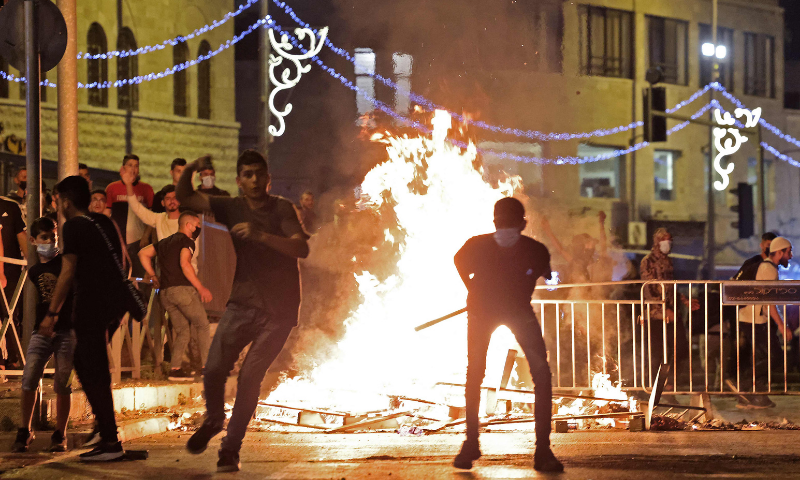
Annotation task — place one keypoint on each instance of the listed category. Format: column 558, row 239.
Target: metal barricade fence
column 720, row 347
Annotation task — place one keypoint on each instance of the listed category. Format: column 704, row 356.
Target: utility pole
column 711, row 249
column 68, row 95
column 264, row 118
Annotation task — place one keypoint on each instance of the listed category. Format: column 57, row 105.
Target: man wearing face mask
column 500, row 272
column 51, row 340
column 182, row 292
column 21, row 181
column 657, row 265
column 208, row 178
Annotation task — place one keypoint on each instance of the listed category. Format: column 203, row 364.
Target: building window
column 180, row 105
column 724, row 37
column 364, row 70
column 604, row 178
column 127, row 68
column 769, row 181
column 3, row 81
column 664, row 174
column 204, row 82
column 759, row 65
column 668, row 48
column 606, row 42
column 97, row 69
column 403, row 65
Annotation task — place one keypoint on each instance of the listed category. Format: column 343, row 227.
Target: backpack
column 748, row 272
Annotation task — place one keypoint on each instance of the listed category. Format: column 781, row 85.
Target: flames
column 439, row 197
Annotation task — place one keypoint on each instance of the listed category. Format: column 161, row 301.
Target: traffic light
column 745, row 210
column 655, row 126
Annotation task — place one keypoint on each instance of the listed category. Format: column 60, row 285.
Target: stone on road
column 586, row 454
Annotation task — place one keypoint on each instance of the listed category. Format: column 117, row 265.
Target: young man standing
column 166, row 222
column 83, row 171
column 175, row 171
column 750, row 266
column 21, row 181
column 57, row 340
column 265, row 298
column 208, row 179
column 90, row 262
column 500, row 272
column 182, row 293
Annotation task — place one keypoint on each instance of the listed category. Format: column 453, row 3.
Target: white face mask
column 47, row 250
column 208, row 182
column 665, row 246
column 507, row 237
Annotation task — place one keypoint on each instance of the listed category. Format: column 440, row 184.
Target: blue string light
column 171, row 42
column 532, row 134
column 155, row 76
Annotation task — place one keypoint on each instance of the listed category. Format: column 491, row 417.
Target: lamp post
column 712, row 50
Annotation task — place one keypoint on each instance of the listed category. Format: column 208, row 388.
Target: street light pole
column 710, row 224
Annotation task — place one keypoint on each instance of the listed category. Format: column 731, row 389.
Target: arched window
column 204, row 82
column 3, row 81
column 127, row 68
column 97, row 69
column 180, row 54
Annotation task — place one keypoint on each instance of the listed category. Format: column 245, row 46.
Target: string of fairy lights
column 268, row 22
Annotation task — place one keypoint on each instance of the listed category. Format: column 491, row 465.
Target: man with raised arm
column 265, row 298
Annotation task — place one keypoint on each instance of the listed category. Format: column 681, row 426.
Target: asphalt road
column 586, row 455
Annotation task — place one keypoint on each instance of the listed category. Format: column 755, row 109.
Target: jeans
column 189, row 320
column 528, row 333
column 40, row 349
column 91, row 365
column 239, row 326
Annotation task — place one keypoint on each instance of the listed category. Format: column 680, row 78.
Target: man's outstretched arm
column 189, row 198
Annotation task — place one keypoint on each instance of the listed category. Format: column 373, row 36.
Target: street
column 587, row 454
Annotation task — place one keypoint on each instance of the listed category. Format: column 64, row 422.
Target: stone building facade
column 184, row 115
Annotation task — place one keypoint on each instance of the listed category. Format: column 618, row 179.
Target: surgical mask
column 23, row 185
column 665, row 246
column 47, row 250
column 507, row 237
column 196, row 233
column 208, row 182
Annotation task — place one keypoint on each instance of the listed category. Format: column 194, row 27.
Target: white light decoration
column 722, row 52
column 733, row 143
column 708, row 49
column 287, row 81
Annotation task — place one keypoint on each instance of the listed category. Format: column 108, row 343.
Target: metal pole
column 762, row 180
column 711, row 234
column 68, row 95
column 33, row 154
column 265, row 117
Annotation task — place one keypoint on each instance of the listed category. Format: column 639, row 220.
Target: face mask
column 507, row 237
column 23, row 185
column 47, row 250
column 665, row 246
column 208, row 182
column 196, row 233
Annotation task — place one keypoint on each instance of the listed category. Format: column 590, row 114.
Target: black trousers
column 528, row 333
column 759, row 350
column 91, row 365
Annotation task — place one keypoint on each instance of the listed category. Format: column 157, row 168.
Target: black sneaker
column 24, row 439
column 103, row 452
column 58, row 442
column 760, row 402
column 179, row 375
column 470, row 451
column 94, row 438
column 545, row 461
column 199, row 441
column 228, row 461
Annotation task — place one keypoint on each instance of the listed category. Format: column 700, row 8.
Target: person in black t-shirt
column 500, row 272
column 58, row 341
column 182, row 293
column 91, row 262
column 265, row 298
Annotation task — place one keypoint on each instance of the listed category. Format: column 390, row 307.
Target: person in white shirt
column 166, row 223
column 754, row 320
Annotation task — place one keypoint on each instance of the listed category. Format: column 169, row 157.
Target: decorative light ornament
column 287, row 81
column 731, row 144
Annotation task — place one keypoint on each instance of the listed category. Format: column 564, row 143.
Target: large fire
column 440, row 198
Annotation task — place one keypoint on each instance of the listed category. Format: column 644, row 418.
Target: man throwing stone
column 265, row 298
column 500, row 271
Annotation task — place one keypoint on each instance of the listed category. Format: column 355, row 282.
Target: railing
column 612, row 328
